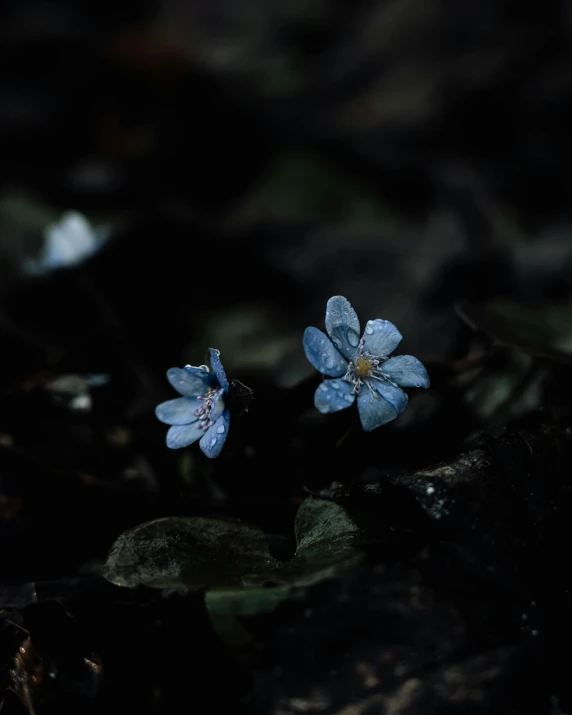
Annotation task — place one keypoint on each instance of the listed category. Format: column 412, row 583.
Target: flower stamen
column 204, row 411
column 363, row 366
column 363, row 369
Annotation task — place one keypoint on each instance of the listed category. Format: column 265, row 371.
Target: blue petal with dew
column 191, row 381
column 406, row 371
column 333, row 396
column 218, row 369
column 374, row 410
column 322, row 354
column 342, row 325
column 214, row 438
column 179, row 411
column 381, row 337
column 218, row 405
column 180, row 436
column 394, row 395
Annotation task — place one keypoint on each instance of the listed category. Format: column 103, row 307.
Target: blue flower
column 69, row 242
column 201, row 412
column 363, row 367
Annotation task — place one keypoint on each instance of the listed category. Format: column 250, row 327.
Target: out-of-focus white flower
column 68, row 242
column 74, row 391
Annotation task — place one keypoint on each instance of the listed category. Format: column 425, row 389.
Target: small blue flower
column 201, row 412
column 356, row 363
column 69, row 242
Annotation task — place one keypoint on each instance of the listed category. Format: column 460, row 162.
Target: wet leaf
column 326, row 539
column 319, row 521
column 189, row 552
column 195, row 552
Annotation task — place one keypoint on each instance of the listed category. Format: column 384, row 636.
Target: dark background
column 254, row 158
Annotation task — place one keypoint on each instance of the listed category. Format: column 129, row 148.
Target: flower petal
column 333, row 396
column 381, row 337
column 76, row 225
column 376, row 410
column 183, row 435
column 218, row 369
column 406, row 371
column 178, row 411
column 394, row 395
column 214, row 438
column 69, row 241
column 218, row 405
column 322, row 354
column 373, row 410
column 342, row 325
column 190, row 381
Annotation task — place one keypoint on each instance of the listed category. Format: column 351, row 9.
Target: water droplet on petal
column 349, row 397
column 220, row 429
column 329, row 361
column 335, row 385
column 213, row 441
column 337, row 342
column 369, row 328
column 353, row 338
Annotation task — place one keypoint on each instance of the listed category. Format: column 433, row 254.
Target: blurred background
column 250, row 159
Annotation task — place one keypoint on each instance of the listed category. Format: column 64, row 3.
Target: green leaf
column 326, row 539
column 223, row 554
column 245, row 601
column 189, row 552
column 320, row 520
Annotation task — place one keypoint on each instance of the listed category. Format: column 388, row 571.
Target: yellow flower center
column 363, row 367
